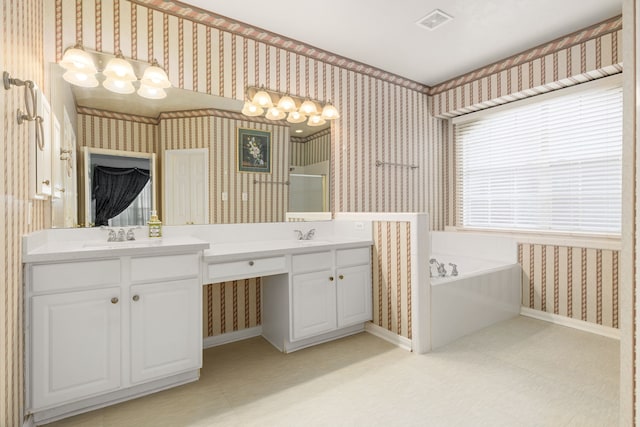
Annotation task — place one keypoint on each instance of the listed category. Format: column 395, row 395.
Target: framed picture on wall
column 254, row 150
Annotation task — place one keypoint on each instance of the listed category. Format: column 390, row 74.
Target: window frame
column 530, row 234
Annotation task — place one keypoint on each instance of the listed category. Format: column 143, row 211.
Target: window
column 550, row 165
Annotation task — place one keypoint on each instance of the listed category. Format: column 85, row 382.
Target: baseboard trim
column 397, row 340
column 605, row 331
column 230, row 337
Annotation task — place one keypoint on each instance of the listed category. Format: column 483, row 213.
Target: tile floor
column 522, row 372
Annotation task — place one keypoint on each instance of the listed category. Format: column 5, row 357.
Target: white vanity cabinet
column 328, row 295
column 75, row 345
column 103, row 330
column 164, row 339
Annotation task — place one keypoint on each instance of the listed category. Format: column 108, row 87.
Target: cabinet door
column 165, row 332
column 354, row 295
column 313, row 298
column 75, row 345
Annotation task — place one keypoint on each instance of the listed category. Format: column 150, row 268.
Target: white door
column 165, row 337
column 75, row 346
column 186, row 183
column 354, row 295
column 313, row 298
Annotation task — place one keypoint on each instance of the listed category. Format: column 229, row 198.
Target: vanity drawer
column 357, row 256
column 162, row 268
column 311, row 262
column 69, row 275
column 245, row 269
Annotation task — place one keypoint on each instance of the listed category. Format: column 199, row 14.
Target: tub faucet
column 442, row 271
column 454, row 269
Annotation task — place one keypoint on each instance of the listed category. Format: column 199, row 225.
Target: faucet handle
column 300, row 235
column 310, row 234
column 454, row 269
column 131, row 235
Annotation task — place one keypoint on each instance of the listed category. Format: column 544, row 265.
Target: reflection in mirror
column 118, row 186
column 187, row 120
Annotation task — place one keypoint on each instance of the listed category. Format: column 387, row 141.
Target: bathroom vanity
column 110, row 321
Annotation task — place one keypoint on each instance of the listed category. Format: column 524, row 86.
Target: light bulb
column 274, row 113
column 329, row 112
column 251, row 110
column 287, row 104
column 151, row 92
column 262, row 99
column 296, row 117
column 155, row 76
column 80, row 79
column 316, row 120
column 118, row 86
column 76, row 59
column 308, row 107
column 119, row 69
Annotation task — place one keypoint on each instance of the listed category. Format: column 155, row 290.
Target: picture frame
column 253, row 148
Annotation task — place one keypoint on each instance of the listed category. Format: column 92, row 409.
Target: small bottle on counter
column 155, row 225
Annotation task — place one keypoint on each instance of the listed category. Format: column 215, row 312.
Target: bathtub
column 487, row 289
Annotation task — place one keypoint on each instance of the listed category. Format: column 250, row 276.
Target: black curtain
column 114, row 189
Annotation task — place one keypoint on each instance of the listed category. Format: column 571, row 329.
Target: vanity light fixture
column 277, row 105
column 79, row 66
column 119, row 73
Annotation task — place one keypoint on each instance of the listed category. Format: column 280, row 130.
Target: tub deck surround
column 487, row 290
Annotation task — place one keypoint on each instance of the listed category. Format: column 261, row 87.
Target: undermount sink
column 121, row 245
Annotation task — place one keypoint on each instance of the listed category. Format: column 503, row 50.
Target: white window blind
column 554, row 165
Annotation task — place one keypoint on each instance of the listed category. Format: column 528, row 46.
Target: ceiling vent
column 434, row 19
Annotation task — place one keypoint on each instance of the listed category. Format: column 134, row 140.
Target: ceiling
column 384, row 33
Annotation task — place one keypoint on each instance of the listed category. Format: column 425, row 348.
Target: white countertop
column 54, row 251
column 230, row 251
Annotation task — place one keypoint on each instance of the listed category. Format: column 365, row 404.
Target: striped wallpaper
column 231, row 306
column 391, row 274
column 383, row 117
column 580, row 283
column 267, row 198
column 22, row 52
column 584, row 55
column 312, row 149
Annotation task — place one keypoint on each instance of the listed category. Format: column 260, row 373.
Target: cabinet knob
column 341, row 277
column 136, row 297
column 114, row 300
column 46, row 182
column 331, row 278
column 250, row 262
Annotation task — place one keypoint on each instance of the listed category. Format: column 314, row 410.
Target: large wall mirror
column 188, row 145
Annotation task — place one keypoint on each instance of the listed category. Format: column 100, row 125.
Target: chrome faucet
column 112, row 236
column 130, row 234
column 306, row 236
column 454, row 269
column 442, row 271
column 121, row 235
